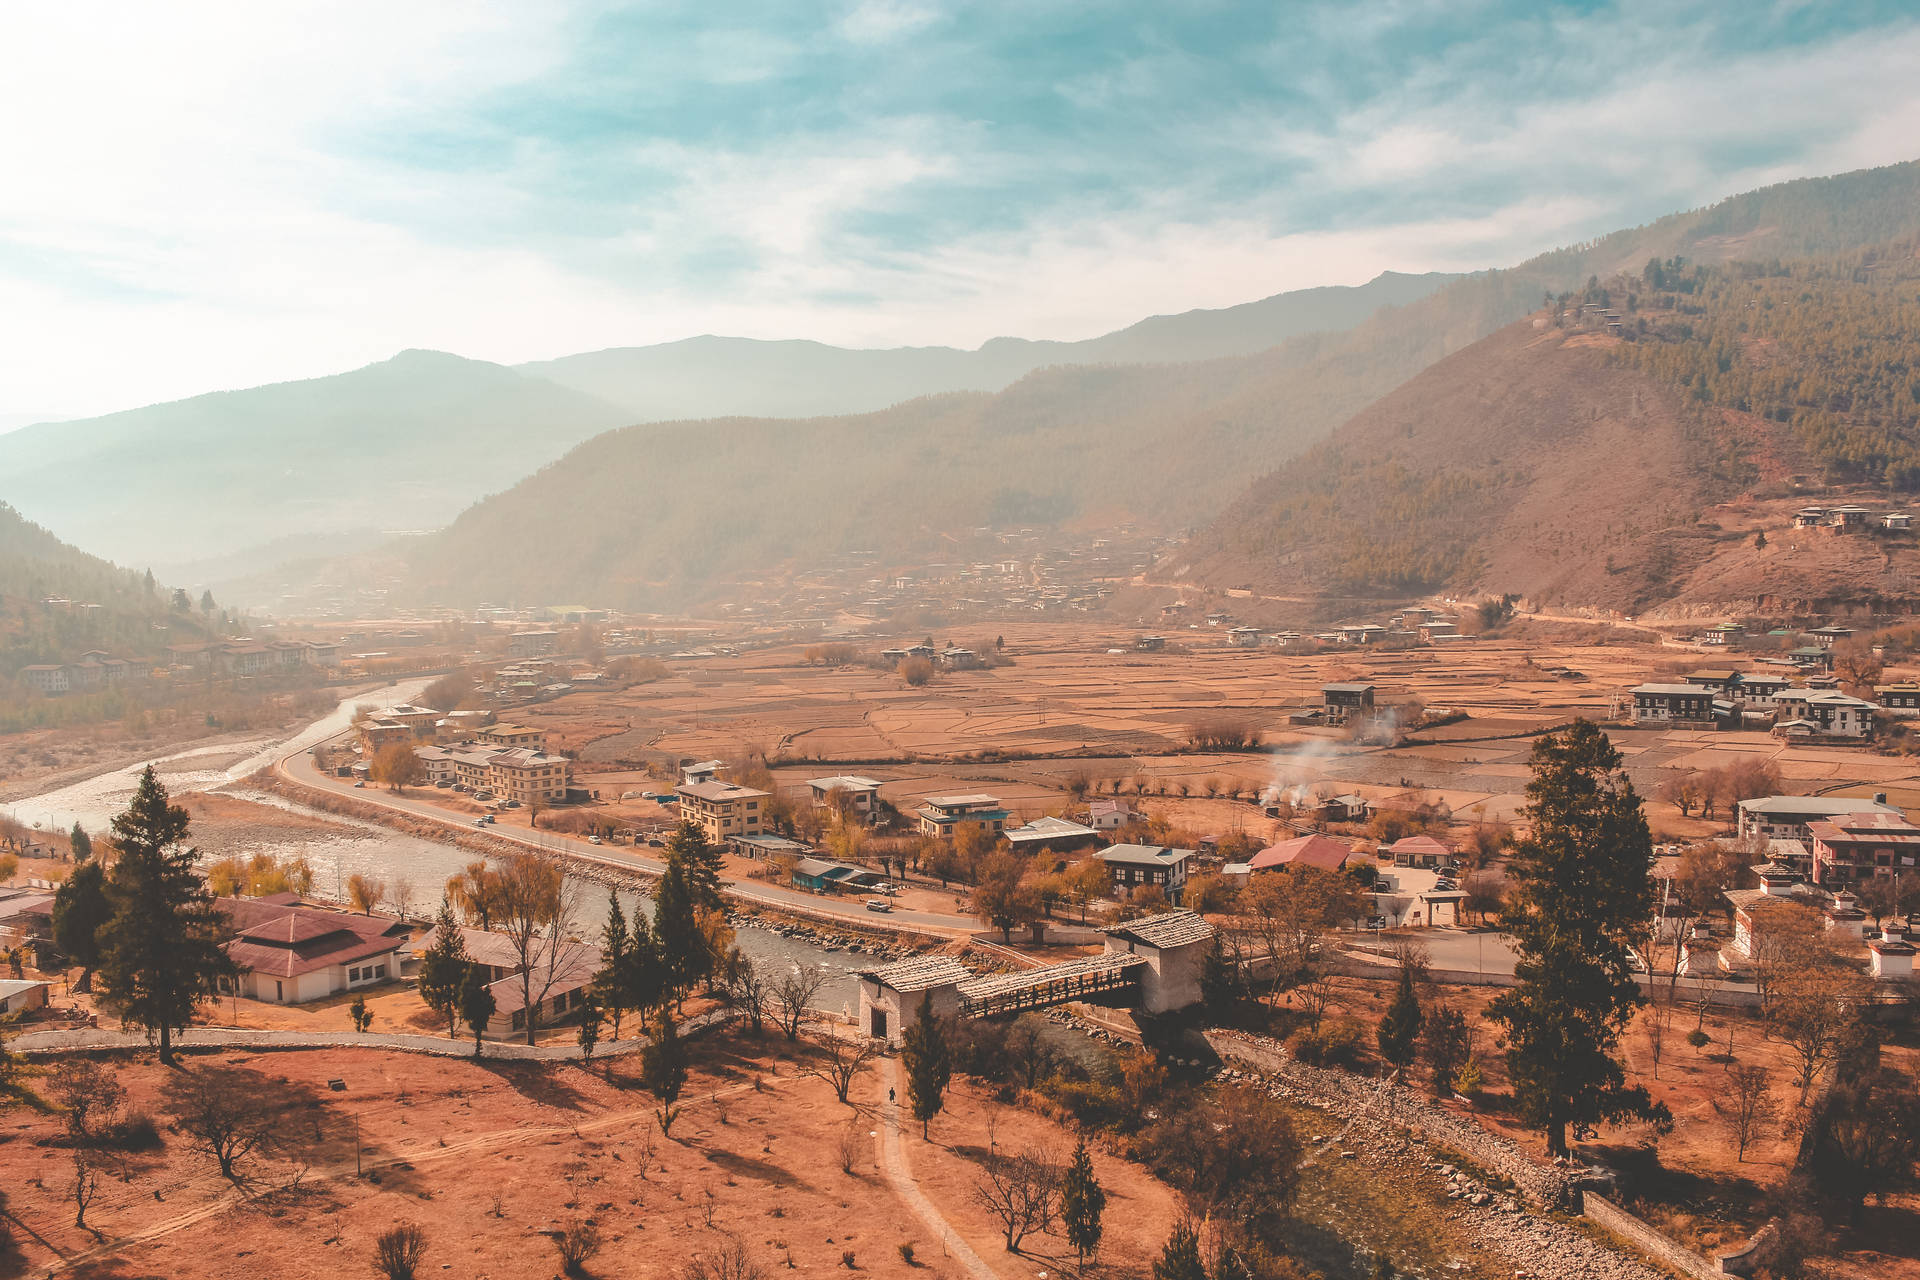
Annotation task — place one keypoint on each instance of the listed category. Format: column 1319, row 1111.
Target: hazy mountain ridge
column 710, row 376
column 1162, row 445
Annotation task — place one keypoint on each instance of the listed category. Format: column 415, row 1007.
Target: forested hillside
column 136, row 618
column 1830, row 347
column 668, row 512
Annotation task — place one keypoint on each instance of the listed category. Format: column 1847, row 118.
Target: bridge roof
column 1169, row 929
column 920, row 973
column 1000, row 984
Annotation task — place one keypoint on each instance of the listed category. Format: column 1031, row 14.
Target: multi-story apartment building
column 722, row 809
column 941, row 816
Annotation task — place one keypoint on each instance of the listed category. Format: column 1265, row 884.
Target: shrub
column 1698, row 1038
column 398, row 1250
column 576, row 1244
column 1334, row 1043
column 906, row 1252
column 916, row 671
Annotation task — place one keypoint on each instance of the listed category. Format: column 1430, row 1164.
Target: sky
column 201, row 196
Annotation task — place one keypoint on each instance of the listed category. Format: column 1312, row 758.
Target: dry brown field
column 491, row 1158
column 1067, row 708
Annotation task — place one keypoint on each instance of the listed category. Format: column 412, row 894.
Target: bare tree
column 225, row 1111
column 792, row 993
column 1746, row 1104
column 398, row 1250
column 841, row 1061
column 89, row 1097
column 852, row 1144
column 536, row 908
column 1021, row 1192
column 86, row 1183
column 400, row 897
column 747, row 983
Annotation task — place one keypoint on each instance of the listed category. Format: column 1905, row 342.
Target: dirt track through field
column 893, row 1159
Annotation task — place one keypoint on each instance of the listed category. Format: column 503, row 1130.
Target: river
column 370, row 849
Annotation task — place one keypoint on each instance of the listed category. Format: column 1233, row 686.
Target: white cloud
column 197, row 197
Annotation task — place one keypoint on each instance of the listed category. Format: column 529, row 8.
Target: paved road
column 1464, row 952
column 298, row 767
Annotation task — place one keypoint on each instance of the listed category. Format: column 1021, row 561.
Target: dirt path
column 893, row 1161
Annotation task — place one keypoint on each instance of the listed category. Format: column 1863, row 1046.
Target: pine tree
column 1581, row 894
column 616, row 945
column 476, row 1002
column 676, row 929
column 80, row 908
column 663, row 1067
column 1219, row 979
column 1082, row 1202
column 1400, row 1027
column 80, row 842
column 703, row 863
column 443, row 968
column 1180, row 1259
column 929, row 1061
column 161, row 953
column 1448, row 1044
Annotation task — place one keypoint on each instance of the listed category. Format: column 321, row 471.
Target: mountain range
column 1163, row 425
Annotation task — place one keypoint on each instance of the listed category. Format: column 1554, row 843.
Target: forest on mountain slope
column 136, row 617
column 1828, row 346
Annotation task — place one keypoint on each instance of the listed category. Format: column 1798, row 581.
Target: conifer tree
column 443, row 968
column 1581, row 894
column 80, row 909
column 1180, row 1259
column 663, row 1068
column 476, row 1003
column 929, row 1061
column 1400, row 1028
column 161, row 956
column 616, row 946
column 80, row 843
column 1082, row 1202
column 676, row 929
column 702, row 861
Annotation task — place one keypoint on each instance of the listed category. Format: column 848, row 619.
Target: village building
column 1850, row 848
column 941, row 816
column 862, row 794
column 1244, row 637
column 512, row 735
column 561, row 983
column 21, row 996
column 1829, row 636
column 1418, row 851
column 1344, row 700
column 436, row 765
column 1899, row 699
column 48, row 678
column 700, row 771
column 1316, row 851
column 1786, row 817
column 1896, row 520
column 1108, row 815
column 532, row 644
column 1673, row 703
column 1133, row 866
column 1825, row 712
column 285, row 952
column 722, row 809
column 957, row 659
column 1057, row 834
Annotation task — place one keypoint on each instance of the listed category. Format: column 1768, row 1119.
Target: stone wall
column 1642, row 1236
column 1345, row 1093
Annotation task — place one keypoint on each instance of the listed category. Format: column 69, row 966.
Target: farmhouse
column 1344, row 700
column 1899, row 699
column 858, row 792
column 1315, row 851
column 1056, row 834
column 941, row 816
column 1669, row 703
column 1108, row 815
column 1418, row 851
column 1830, row 712
column 1131, row 866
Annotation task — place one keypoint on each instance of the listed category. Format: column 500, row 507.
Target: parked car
column 879, row 904
column 361, row 783
column 595, row 840
column 443, row 784
column 889, row 889
column 513, row 804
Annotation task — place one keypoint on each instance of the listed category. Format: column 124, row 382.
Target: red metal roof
column 1302, row 851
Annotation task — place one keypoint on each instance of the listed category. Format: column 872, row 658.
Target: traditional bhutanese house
column 1347, row 808
column 1897, row 520
column 1315, row 851
column 1786, row 817
column 1853, row 847
column 1834, row 714
column 1781, row 902
column 1344, row 700
column 1672, row 704
column 1717, row 679
column 1133, row 866
column 1899, row 699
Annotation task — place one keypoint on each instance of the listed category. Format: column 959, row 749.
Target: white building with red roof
column 290, row 953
